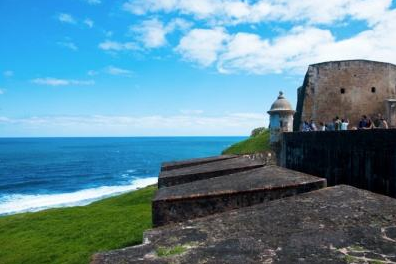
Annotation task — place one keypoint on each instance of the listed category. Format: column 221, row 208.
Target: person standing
column 331, row 126
column 363, row 122
column 383, row 124
column 377, row 120
column 306, row 127
column 344, row 124
column 370, row 124
column 312, row 126
column 322, row 126
column 337, row 123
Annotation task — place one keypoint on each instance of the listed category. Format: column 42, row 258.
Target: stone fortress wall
column 348, row 89
column 361, row 158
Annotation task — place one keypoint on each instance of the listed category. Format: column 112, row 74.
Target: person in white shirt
column 344, row 124
column 312, row 126
column 322, row 126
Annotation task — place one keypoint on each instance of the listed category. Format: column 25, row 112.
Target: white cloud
column 68, row 44
column 108, row 33
column 201, row 8
column 153, row 125
column 112, row 70
column 61, row 82
column 152, row 33
column 248, row 52
column 8, row 73
column 69, row 19
column 109, row 45
column 202, row 45
column 118, row 71
column 66, row 18
column 191, row 111
column 93, row 2
column 89, row 22
column 291, row 51
column 240, row 11
column 92, row 73
column 2, row 91
column 140, row 7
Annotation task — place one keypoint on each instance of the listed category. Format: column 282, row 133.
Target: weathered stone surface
column 201, row 198
column 320, row 97
column 206, row 171
column 364, row 158
column 167, row 166
column 340, row 224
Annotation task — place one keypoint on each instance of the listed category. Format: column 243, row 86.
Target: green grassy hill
column 72, row 235
column 258, row 142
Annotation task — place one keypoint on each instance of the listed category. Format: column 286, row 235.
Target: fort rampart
column 362, row 158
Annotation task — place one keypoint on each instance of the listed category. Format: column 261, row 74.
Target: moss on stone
column 350, row 259
column 165, row 251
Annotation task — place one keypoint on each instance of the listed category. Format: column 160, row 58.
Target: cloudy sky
column 171, row 67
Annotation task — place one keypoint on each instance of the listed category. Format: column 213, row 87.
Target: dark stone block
column 201, row 198
column 331, row 225
column 167, row 166
column 206, row 171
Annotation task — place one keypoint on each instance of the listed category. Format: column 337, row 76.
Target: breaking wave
column 18, row 203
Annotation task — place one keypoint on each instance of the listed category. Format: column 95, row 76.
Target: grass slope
column 72, row 235
column 253, row 144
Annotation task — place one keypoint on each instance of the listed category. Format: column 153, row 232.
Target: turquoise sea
column 40, row 173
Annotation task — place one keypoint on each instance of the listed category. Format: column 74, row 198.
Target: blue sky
column 171, row 67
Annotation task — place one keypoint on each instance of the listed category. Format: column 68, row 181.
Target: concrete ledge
column 167, row 166
column 201, row 198
column 206, row 171
column 340, row 224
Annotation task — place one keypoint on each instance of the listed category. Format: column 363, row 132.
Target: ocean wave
column 18, row 203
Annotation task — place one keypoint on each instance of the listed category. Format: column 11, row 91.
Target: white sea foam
column 18, row 203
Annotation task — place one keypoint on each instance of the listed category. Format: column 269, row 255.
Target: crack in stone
column 353, row 258
column 385, row 236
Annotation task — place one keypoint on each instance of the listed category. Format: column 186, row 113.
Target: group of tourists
column 379, row 122
column 336, row 124
column 343, row 124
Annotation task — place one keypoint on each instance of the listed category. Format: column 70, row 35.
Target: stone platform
column 208, row 170
column 201, row 198
column 167, row 166
column 340, row 224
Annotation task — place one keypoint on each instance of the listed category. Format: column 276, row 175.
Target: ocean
column 41, row 173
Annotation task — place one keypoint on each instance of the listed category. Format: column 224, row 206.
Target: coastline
column 37, row 174
column 22, row 203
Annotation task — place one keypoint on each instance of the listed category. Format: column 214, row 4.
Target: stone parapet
column 206, row 171
column 167, row 166
column 201, row 198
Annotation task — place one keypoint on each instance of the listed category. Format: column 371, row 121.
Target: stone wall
column 362, row 158
column 205, row 197
column 348, row 89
